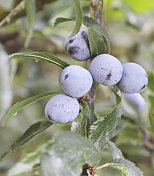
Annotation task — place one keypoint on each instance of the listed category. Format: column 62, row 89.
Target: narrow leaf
column 90, row 22
column 84, row 121
column 96, row 43
column 117, row 94
column 126, row 167
column 78, row 23
column 41, row 56
column 88, row 115
column 20, row 105
column 68, row 154
column 79, row 126
column 62, row 20
column 32, row 131
column 30, row 15
column 102, row 130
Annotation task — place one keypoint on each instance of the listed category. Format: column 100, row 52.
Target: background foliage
column 130, row 25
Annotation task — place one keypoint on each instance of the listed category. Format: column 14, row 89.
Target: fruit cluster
column 76, row 81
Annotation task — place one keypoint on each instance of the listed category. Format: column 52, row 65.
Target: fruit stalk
column 96, row 12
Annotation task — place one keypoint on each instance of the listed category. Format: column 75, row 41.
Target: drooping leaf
column 41, row 56
column 125, row 166
column 96, row 43
column 62, row 20
column 32, row 131
column 78, row 22
column 151, row 81
column 20, row 105
column 84, row 121
column 68, row 154
column 30, row 15
column 90, row 22
column 116, row 153
column 102, row 130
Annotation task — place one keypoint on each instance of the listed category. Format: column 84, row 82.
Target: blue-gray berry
column 78, row 46
column 62, row 109
column 136, row 100
column 134, row 79
column 106, row 69
column 75, row 80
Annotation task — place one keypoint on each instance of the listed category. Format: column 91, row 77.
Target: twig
column 96, row 10
column 13, row 12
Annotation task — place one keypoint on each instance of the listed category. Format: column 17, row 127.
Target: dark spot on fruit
column 66, row 76
column 49, row 116
column 73, row 49
column 143, row 87
column 71, row 41
column 108, row 76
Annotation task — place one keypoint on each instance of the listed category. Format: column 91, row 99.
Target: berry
column 136, row 100
column 62, row 109
column 106, row 69
column 75, row 80
column 78, row 46
column 134, row 78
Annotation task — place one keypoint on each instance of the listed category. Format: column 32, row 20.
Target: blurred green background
column 130, row 25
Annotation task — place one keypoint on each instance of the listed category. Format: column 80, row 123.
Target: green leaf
column 41, row 56
column 20, row 105
column 116, row 153
column 79, row 126
column 117, row 94
column 151, row 81
column 126, row 167
column 96, row 43
column 30, row 15
column 84, row 121
column 32, row 131
column 78, row 23
column 90, row 22
column 102, row 130
column 68, row 154
column 30, row 162
column 61, row 20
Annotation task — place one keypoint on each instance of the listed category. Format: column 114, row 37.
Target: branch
column 96, row 10
column 19, row 11
column 13, row 12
